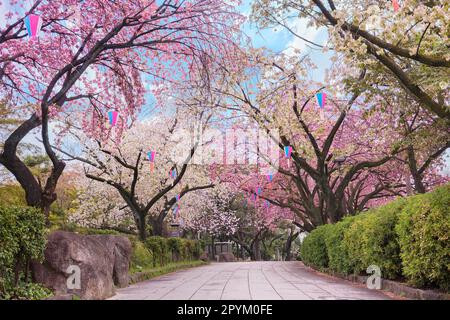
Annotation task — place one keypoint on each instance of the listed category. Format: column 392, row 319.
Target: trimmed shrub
column 372, row 240
column 159, row 248
column 167, row 250
column 313, row 249
column 424, row 237
column 338, row 259
column 141, row 257
column 409, row 237
column 177, row 247
column 22, row 238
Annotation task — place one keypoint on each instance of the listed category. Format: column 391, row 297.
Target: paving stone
column 271, row 280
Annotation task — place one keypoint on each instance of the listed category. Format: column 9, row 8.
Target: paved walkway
column 247, row 281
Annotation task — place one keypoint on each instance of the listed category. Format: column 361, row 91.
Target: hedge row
column 159, row 251
column 22, row 239
column 407, row 238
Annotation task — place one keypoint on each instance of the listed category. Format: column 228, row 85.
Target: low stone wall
column 103, row 262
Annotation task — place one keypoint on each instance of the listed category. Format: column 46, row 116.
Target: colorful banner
column 288, row 151
column 395, row 5
column 321, row 99
column 151, row 156
column 112, row 116
column 33, row 23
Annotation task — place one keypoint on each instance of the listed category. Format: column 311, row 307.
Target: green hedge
column 337, row 254
column 313, row 250
column 372, row 240
column 424, row 238
column 141, row 257
column 22, row 238
column 407, row 238
column 163, row 251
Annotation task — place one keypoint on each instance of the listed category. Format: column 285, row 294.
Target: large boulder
column 103, row 261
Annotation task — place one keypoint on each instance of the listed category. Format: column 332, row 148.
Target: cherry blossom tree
column 402, row 51
column 148, row 189
column 332, row 147
column 92, row 57
column 212, row 212
column 345, row 158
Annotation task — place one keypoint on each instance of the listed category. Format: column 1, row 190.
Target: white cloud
column 300, row 27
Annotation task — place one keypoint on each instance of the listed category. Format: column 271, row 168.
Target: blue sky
column 281, row 40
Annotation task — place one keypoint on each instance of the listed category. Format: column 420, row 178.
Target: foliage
column 372, row 240
column 408, row 238
column 146, row 256
column 12, row 195
column 141, row 257
column 158, row 246
column 167, row 250
column 423, row 232
column 22, row 238
column 313, row 251
column 338, row 258
column 25, row 291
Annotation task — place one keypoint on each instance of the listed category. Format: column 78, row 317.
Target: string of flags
column 33, row 23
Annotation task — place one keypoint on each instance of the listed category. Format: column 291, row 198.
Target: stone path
column 247, row 281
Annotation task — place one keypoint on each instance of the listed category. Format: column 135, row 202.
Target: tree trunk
column 142, row 227
column 412, row 163
column 157, row 227
column 35, row 194
column 288, row 245
column 256, row 250
column 213, row 248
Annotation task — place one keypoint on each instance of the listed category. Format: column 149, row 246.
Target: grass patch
column 150, row 273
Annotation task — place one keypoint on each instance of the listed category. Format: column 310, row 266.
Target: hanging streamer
column 321, row 99
column 176, row 208
column 395, row 5
column 173, row 173
column 258, row 191
column 33, row 23
column 177, row 197
column 151, row 157
column 288, row 154
column 112, row 116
